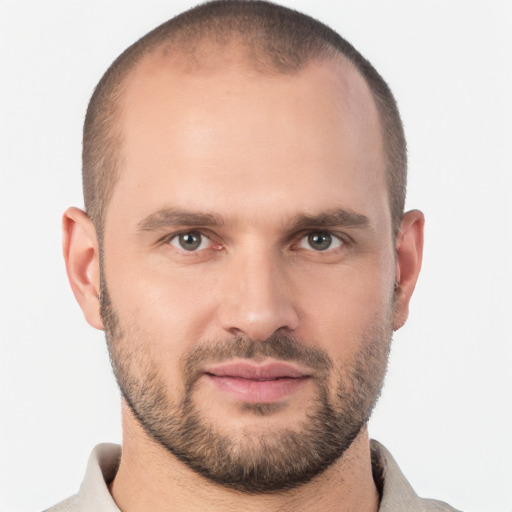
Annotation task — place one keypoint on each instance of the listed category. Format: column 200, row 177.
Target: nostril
column 260, row 325
column 257, row 300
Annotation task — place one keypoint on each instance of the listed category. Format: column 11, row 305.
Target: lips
column 248, row 382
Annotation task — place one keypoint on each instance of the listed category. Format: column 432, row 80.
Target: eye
column 190, row 241
column 320, row 241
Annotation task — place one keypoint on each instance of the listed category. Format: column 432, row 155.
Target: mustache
column 279, row 346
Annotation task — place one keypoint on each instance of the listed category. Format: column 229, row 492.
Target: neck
column 151, row 479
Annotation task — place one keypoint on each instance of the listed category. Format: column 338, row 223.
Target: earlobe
column 81, row 254
column 409, row 253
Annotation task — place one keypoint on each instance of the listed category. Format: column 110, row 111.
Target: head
column 245, row 249
column 272, row 39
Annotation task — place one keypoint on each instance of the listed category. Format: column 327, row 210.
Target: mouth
column 249, row 382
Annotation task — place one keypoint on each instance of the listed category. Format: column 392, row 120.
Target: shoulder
column 68, row 505
column 396, row 493
column 437, row 506
column 94, row 494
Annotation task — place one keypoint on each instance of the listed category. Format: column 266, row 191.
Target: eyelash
column 342, row 240
column 333, row 239
column 168, row 239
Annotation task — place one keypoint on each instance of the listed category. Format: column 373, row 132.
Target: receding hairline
column 234, row 61
column 175, row 79
column 213, row 26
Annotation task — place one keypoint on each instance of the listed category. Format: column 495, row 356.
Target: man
column 246, row 252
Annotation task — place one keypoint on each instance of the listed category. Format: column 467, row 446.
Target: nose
column 257, row 297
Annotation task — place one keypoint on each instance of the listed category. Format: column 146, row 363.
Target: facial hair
column 265, row 461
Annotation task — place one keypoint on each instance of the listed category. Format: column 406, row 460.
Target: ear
column 81, row 253
column 409, row 250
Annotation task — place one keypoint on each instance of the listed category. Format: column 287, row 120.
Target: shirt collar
column 396, row 493
column 101, row 470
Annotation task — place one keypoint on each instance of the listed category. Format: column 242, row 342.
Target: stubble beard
column 251, row 462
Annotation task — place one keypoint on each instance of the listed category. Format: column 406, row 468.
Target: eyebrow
column 168, row 217
column 336, row 217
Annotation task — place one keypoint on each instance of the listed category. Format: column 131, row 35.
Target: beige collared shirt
column 396, row 493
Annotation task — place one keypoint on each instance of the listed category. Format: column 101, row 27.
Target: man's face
column 248, row 266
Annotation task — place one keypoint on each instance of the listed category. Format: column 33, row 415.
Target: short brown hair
column 276, row 37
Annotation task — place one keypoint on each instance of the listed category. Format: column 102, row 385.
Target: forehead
column 223, row 78
column 220, row 127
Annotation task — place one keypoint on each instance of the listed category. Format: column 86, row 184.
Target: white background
column 446, row 412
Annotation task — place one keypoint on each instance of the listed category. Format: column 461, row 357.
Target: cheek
column 177, row 307
column 171, row 310
column 346, row 306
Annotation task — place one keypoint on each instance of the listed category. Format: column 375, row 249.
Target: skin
column 258, row 151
